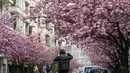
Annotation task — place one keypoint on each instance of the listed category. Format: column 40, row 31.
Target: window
column 30, row 29
column 47, row 40
column 26, row 4
column 55, row 40
column 1, row 10
column 4, row 68
column 1, row 5
column 27, row 28
column 48, row 25
column 14, row 3
column 39, row 37
column 14, row 25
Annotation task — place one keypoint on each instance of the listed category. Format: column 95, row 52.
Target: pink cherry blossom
column 23, row 49
column 100, row 27
column 74, row 65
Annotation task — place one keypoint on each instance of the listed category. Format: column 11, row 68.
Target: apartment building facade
column 18, row 7
column 42, row 32
column 3, row 60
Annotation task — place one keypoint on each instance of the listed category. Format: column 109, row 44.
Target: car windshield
column 94, row 70
column 88, row 68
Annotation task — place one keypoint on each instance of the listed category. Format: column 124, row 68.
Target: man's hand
column 68, row 54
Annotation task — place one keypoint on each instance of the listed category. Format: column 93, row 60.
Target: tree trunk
column 116, row 69
column 40, row 68
column 49, row 67
column 124, row 62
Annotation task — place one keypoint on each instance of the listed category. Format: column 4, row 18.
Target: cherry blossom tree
column 100, row 27
column 74, row 65
column 22, row 50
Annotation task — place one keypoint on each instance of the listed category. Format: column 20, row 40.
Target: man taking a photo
column 63, row 61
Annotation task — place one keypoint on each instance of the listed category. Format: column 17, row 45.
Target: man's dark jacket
column 65, row 58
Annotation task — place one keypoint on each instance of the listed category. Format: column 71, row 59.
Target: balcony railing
column 27, row 1
column 14, row 9
column 7, row 1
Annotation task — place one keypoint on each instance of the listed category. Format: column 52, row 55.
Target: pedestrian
column 63, row 61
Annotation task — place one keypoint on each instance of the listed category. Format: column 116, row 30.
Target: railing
column 15, row 9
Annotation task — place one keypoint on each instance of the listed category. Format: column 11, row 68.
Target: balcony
column 14, row 9
column 7, row 1
column 27, row 2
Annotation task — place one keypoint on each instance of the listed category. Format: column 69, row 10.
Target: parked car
column 80, row 71
column 95, row 69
